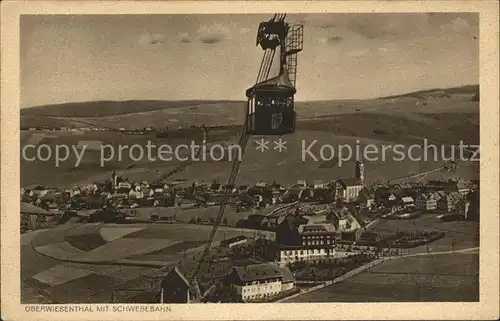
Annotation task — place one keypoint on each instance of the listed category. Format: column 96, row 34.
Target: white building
column 291, row 254
column 259, row 281
column 317, row 244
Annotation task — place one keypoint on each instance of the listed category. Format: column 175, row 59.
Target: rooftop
column 175, row 273
column 234, row 239
column 315, row 228
column 287, row 275
column 260, row 271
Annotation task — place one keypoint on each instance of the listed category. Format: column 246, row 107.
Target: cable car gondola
column 270, row 105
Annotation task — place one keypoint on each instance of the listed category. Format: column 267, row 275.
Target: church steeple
column 114, row 180
column 360, row 172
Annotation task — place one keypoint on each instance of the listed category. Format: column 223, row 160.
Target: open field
column 92, row 274
column 459, row 234
column 447, row 277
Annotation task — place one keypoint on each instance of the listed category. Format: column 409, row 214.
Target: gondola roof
column 279, row 83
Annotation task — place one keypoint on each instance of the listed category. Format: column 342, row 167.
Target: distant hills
column 116, row 108
column 467, row 89
column 111, row 108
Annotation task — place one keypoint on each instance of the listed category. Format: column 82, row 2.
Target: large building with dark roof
column 313, row 243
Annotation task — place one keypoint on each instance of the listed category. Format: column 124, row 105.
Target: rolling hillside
column 404, row 120
column 468, row 89
column 110, row 108
column 161, row 114
column 114, row 108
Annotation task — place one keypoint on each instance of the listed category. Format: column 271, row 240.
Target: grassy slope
column 109, row 108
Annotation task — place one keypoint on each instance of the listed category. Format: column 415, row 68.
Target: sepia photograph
column 243, row 158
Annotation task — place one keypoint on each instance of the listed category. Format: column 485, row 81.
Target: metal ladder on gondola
column 294, row 43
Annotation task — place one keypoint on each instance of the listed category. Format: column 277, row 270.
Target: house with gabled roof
column 448, row 202
column 174, row 287
column 407, row 202
column 366, row 197
column 259, row 281
column 426, row 202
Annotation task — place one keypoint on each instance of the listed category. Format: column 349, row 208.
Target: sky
column 74, row 58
